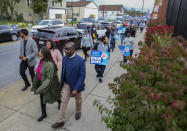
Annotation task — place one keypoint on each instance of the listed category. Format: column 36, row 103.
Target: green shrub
column 152, row 96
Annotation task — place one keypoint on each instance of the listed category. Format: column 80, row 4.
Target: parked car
column 47, row 23
column 100, row 30
column 119, row 19
column 118, row 24
column 60, row 36
column 100, row 20
column 106, row 24
column 8, row 34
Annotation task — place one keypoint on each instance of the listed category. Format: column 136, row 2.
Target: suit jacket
column 31, row 51
column 77, row 73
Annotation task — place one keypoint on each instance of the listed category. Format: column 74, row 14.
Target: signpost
column 125, row 50
column 99, row 57
column 121, row 30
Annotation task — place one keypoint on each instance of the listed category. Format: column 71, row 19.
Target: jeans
column 23, row 67
column 85, row 51
column 112, row 46
column 122, row 36
column 100, row 69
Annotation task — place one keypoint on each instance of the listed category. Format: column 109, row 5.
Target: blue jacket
column 77, row 74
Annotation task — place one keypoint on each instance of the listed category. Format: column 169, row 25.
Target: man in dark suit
column 72, row 82
column 28, row 56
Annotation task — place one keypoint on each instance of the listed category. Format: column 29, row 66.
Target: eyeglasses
column 67, row 49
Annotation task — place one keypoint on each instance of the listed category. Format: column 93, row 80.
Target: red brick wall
column 163, row 10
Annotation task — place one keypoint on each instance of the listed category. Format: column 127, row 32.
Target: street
column 9, row 64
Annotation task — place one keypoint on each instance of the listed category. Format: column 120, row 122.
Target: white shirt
column 72, row 56
column 129, row 41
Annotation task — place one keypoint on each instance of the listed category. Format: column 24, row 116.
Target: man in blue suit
column 72, row 82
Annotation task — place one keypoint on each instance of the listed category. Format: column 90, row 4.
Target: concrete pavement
column 20, row 110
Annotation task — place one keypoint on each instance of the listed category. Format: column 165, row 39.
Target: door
column 5, row 34
column 64, row 38
column 73, row 37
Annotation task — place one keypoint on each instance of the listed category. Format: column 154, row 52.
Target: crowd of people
column 57, row 78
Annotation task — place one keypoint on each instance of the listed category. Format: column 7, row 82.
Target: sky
column 148, row 4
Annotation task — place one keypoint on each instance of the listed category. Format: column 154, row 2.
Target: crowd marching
column 57, row 78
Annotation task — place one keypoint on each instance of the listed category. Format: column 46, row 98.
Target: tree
column 40, row 6
column 8, row 6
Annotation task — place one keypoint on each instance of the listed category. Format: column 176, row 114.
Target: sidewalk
column 19, row 110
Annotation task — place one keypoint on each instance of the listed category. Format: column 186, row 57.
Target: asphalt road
column 9, row 63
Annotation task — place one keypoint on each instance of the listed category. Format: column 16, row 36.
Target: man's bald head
column 70, row 45
column 69, row 49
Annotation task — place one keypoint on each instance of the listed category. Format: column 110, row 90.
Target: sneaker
column 100, row 80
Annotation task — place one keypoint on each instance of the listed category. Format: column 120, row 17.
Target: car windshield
column 45, row 34
column 85, row 20
column 44, row 22
column 82, row 26
column 117, row 22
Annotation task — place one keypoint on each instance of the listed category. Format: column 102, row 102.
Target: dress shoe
column 25, row 88
column 41, row 118
column 57, row 125
column 77, row 115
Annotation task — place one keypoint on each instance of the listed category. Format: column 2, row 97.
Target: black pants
column 100, row 69
column 141, row 29
column 85, row 51
column 23, row 67
column 125, row 58
column 43, row 105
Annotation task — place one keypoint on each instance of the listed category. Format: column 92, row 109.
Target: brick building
column 160, row 9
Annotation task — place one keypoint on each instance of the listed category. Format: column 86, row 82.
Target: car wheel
column 14, row 37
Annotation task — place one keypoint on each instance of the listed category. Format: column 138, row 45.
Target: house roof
column 77, row 3
column 110, row 7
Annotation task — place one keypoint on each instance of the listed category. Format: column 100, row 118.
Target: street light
column 142, row 5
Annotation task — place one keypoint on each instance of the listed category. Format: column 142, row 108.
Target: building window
column 53, row 2
column 58, row 16
column 77, row 14
column 28, row 2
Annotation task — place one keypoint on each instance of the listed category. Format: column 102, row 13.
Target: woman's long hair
column 47, row 56
column 53, row 45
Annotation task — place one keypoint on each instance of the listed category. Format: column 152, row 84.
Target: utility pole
column 72, row 11
column 142, row 6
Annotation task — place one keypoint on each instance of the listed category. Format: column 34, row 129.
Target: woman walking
column 46, row 82
column 86, row 44
column 56, row 55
